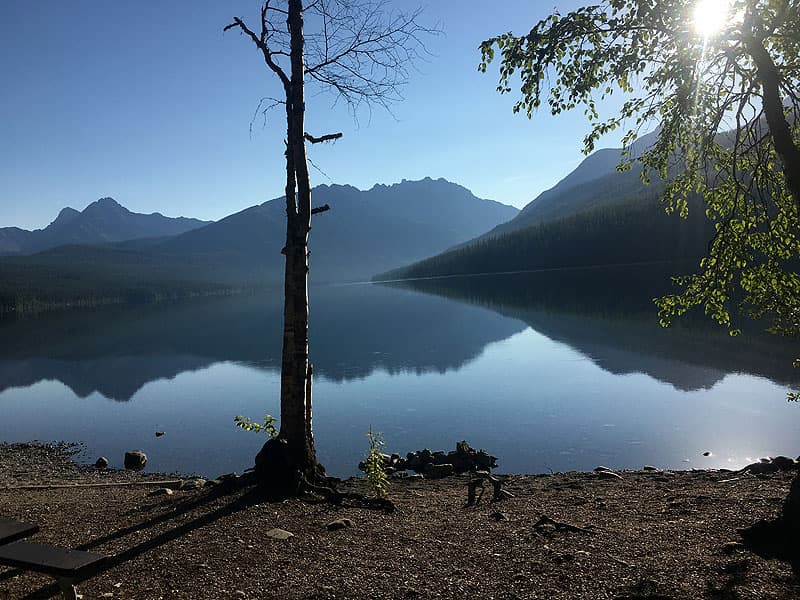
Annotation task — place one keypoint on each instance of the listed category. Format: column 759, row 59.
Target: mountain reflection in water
column 547, row 370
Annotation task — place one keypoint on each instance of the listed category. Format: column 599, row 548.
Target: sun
column 710, row 16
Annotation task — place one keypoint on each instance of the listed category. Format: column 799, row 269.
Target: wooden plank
column 12, row 530
column 50, row 560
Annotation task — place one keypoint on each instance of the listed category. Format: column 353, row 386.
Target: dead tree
column 361, row 52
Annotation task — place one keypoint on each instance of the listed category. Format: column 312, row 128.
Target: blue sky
column 151, row 103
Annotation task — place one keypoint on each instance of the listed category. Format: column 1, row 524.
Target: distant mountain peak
column 66, row 215
column 104, row 220
column 407, row 182
column 107, row 202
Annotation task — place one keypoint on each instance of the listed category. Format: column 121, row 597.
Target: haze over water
column 545, row 371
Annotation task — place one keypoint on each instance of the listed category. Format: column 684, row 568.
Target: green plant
column 794, row 396
column 268, row 426
column 377, row 478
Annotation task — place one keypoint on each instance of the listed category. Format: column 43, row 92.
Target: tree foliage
column 726, row 105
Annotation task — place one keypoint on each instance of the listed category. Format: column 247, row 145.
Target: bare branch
column 320, row 209
column 325, row 138
column 362, row 50
column 264, row 106
column 261, row 43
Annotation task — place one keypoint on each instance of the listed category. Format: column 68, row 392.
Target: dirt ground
column 649, row 535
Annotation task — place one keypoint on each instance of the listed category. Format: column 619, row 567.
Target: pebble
column 279, row 534
column 102, row 463
column 162, row 492
column 339, row 524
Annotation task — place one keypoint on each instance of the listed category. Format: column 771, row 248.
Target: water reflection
column 547, row 371
column 608, row 316
column 355, row 330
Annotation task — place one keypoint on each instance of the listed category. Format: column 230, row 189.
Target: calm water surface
column 546, row 372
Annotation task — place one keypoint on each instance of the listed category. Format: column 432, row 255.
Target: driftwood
column 66, row 486
column 478, row 482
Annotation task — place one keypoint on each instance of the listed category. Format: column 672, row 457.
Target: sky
column 151, row 104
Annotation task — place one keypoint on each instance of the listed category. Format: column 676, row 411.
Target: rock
column 193, row 484
column 784, row 463
column 484, row 460
column 162, row 492
column 760, row 468
column 230, row 480
column 608, row 475
column 790, row 514
column 463, row 447
column 160, row 433
column 498, row 516
column 505, row 495
column 707, row 453
column 731, row 547
column 650, row 468
column 601, row 468
column 279, row 534
column 765, row 459
column 433, row 471
column 463, row 459
column 339, row 524
column 101, row 463
column 135, row 460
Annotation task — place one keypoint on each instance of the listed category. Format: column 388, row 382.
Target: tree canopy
column 718, row 80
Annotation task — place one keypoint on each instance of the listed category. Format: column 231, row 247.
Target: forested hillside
column 631, row 231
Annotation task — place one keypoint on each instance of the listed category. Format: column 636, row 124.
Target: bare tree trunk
column 362, row 59
column 293, row 452
column 779, row 128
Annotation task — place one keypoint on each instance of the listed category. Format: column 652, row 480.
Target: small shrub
column 377, row 478
column 268, row 426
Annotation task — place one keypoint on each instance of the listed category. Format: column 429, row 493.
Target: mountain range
column 364, row 232
column 596, row 215
column 103, row 221
column 108, row 254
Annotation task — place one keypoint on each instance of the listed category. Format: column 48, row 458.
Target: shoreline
column 644, row 534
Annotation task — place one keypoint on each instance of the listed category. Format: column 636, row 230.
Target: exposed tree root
column 336, row 497
column 280, row 477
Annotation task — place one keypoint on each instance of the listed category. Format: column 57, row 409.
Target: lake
column 547, row 371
